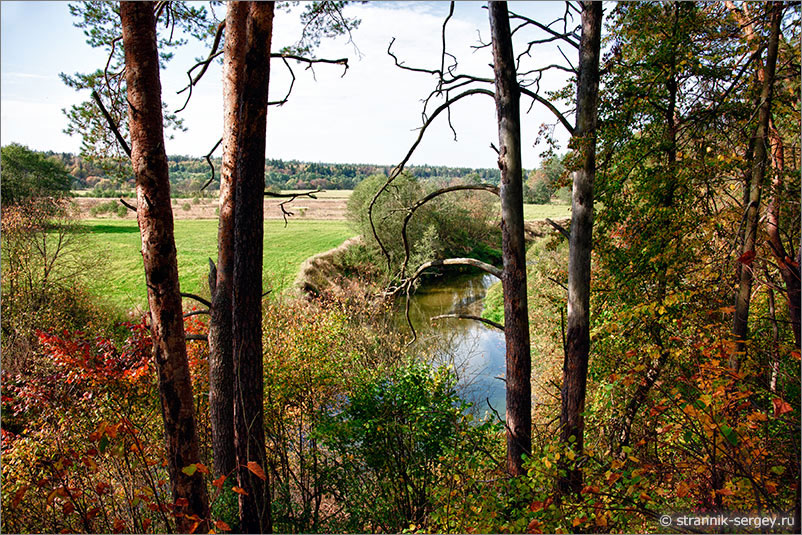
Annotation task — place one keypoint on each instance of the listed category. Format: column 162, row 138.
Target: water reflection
column 475, row 350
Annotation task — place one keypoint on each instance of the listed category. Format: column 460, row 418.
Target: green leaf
column 189, row 470
column 729, row 434
column 104, row 443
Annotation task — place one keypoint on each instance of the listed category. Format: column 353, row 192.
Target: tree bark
column 789, row 269
column 575, row 367
column 155, row 217
column 516, row 315
column 758, row 170
column 221, row 360
column 254, row 507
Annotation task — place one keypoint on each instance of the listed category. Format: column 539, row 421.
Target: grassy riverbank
column 112, row 248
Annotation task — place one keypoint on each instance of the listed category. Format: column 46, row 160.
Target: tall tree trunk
column 516, row 316
column 155, row 217
column 760, row 159
column 575, row 368
column 789, row 269
column 221, row 360
column 254, row 506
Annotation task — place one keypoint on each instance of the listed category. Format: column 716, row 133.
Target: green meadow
column 115, row 273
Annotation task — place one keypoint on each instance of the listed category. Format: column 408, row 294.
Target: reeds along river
column 475, row 350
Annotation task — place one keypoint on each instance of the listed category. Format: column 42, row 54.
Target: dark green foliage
column 390, row 437
column 28, row 174
column 456, row 224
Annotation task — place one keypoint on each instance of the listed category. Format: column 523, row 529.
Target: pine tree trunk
column 221, row 360
column 247, row 282
column 516, row 315
column 760, row 159
column 575, row 368
column 155, row 217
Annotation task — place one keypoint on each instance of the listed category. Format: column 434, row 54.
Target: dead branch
column 400, row 167
column 209, row 161
column 484, row 266
column 127, row 205
column 568, row 37
column 196, row 313
column 111, row 124
column 559, row 228
column 558, row 283
column 197, row 298
column 557, row 113
column 289, row 91
column 427, row 198
column 311, row 61
column 291, row 197
column 197, row 337
column 203, row 64
column 469, row 317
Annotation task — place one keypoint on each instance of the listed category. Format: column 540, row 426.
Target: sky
column 369, row 115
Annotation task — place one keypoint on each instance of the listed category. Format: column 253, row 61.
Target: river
column 475, row 350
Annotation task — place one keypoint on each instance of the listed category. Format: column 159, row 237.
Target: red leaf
column 219, row 482
column 747, row 257
column 202, row 468
column 222, row 526
column 146, row 523
column 239, row 490
column 68, row 508
column 194, row 527
column 780, row 407
column 257, row 470
column 181, row 502
column 18, row 496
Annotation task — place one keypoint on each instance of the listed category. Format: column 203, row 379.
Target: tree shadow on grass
column 106, row 229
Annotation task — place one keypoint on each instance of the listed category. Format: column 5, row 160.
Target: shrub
column 454, row 224
column 42, row 279
column 391, row 437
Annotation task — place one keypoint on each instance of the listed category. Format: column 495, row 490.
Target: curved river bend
column 475, row 350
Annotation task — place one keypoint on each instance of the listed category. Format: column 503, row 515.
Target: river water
column 475, row 350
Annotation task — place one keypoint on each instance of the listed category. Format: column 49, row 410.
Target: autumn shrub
column 314, row 352
column 42, row 279
column 82, row 441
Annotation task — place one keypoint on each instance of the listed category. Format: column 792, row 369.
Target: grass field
column 112, row 250
column 542, row 211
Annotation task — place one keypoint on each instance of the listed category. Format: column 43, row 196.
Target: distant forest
column 188, row 174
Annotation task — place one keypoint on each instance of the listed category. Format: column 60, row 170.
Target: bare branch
column 209, row 161
column 127, row 205
column 196, row 313
column 568, row 37
column 197, row 337
column 111, row 124
column 427, row 198
column 557, row 113
column 203, row 64
column 197, row 298
column 488, row 268
column 291, row 197
column 400, row 167
column 312, row 61
column 559, row 228
column 289, row 91
column 469, row 317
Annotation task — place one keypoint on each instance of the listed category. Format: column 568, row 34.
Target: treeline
column 189, row 174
